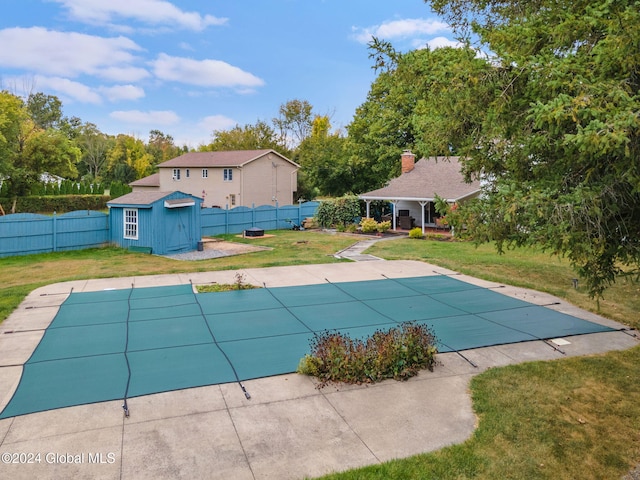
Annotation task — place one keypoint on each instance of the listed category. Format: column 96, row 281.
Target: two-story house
column 233, row 178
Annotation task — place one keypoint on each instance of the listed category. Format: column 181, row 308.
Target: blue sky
column 188, row 67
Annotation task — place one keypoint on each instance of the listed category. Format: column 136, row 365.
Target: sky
column 189, row 67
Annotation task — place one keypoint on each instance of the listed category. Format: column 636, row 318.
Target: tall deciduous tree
column 128, row 160
column 162, row 147
column 560, row 140
column 324, row 158
column 416, row 96
column 294, row 122
column 248, row 137
column 44, row 110
column 95, row 145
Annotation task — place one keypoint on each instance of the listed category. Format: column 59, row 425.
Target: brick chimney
column 408, row 161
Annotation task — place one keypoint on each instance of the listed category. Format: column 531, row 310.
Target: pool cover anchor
column 246, row 394
column 125, row 407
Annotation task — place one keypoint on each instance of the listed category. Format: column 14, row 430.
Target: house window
column 176, row 174
column 228, row 174
column 131, row 223
column 232, row 199
column 187, row 173
column 205, row 173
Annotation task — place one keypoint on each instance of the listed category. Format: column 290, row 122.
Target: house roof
column 233, row 158
column 143, row 198
column 152, row 180
column 430, row 177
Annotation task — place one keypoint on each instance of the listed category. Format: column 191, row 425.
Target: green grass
column 22, row 274
column 565, row 419
column 561, row 420
column 522, row 267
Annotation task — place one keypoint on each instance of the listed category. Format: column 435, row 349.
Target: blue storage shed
column 163, row 222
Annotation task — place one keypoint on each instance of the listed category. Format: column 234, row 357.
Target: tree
column 12, row 116
column 128, row 160
column 294, row 122
column 248, row 137
column 95, row 146
column 49, row 151
column 162, row 147
column 44, row 110
column 324, row 159
column 560, row 140
column 407, row 106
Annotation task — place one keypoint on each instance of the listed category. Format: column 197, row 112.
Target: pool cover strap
column 120, row 344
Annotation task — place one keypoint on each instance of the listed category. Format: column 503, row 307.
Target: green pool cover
column 116, row 344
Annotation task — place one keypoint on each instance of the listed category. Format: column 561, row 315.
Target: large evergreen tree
column 559, row 141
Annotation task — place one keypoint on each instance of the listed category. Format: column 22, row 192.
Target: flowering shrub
column 399, row 353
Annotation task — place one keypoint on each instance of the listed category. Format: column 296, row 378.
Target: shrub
column 384, row 226
column 337, row 211
column 415, row 233
column 399, row 353
column 368, row 225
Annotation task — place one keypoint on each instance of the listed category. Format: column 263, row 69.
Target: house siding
column 267, row 180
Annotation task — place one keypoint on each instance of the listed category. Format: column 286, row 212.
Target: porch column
column 367, row 202
column 393, row 202
column 422, row 204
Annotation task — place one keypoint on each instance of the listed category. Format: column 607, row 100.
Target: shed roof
column 430, row 177
column 144, row 198
column 232, row 158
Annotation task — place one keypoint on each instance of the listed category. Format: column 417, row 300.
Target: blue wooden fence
column 216, row 221
column 27, row 233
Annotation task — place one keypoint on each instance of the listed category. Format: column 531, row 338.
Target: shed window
column 232, row 199
column 131, row 223
column 205, row 173
column 187, row 173
column 176, row 174
column 228, row 174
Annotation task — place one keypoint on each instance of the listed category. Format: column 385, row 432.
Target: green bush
column 338, row 211
column 57, row 203
column 399, row 353
column 368, row 225
column 415, row 233
column 384, row 226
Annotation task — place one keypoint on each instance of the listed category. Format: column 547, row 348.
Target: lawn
column 565, row 419
column 522, row 267
column 22, row 274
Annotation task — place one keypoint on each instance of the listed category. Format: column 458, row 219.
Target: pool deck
column 289, row 429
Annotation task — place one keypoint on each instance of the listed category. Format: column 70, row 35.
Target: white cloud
column 204, row 73
column 437, row 42
column 153, row 117
column 152, row 12
column 122, row 92
column 216, row 122
column 394, row 29
column 70, row 54
column 63, row 87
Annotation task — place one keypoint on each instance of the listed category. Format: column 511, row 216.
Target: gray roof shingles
column 430, row 177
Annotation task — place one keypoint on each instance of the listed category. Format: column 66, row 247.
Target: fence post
column 226, row 218
column 253, row 215
column 54, row 233
column 277, row 216
column 300, row 213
